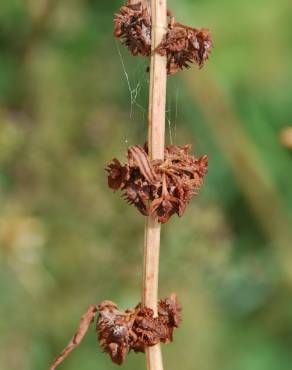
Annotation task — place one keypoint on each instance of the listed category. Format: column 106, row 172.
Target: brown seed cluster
column 119, row 332
column 181, row 44
column 184, row 45
column 134, row 329
column 159, row 187
column 133, row 24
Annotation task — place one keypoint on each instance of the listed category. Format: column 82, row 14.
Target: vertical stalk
column 156, row 138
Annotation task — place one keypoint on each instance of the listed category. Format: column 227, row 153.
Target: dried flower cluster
column 134, row 329
column 119, row 332
column 182, row 44
column 133, row 25
column 160, row 187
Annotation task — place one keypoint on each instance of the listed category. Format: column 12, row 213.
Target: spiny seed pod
column 161, row 187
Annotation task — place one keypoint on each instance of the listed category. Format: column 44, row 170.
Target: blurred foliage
column 66, row 241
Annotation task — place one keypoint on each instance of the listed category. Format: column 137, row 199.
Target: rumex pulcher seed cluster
column 133, row 25
column 181, row 44
column 159, row 187
column 119, row 332
column 184, row 45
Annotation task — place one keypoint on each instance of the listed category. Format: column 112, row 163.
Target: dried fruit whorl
column 184, row 45
column 160, row 187
column 133, row 24
column 181, row 44
column 119, row 332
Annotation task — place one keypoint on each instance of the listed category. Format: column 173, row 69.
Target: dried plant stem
column 156, row 134
column 150, row 283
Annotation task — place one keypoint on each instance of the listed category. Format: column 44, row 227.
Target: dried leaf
column 141, row 160
column 85, row 322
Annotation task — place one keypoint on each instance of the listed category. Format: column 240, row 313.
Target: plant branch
column 156, row 137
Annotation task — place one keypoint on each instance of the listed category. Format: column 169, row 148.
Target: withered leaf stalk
column 158, row 181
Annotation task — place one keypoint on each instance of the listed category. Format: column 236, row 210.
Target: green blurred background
column 67, row 241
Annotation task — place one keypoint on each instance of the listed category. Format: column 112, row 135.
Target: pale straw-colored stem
column 156, row 134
